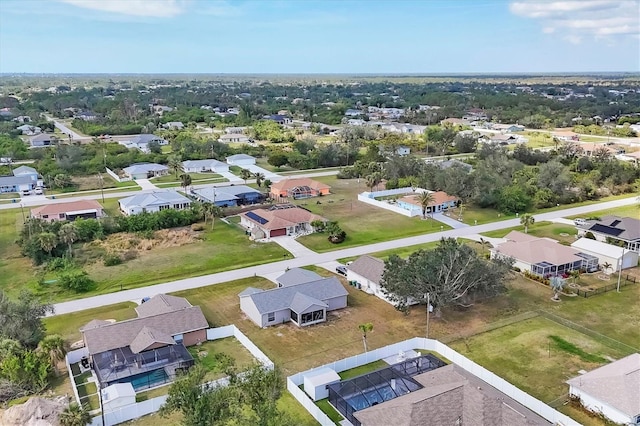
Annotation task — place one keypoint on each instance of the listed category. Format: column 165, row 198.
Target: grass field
column 632, row 210
column 171, row 177
column 364, row 224
column 557, row 231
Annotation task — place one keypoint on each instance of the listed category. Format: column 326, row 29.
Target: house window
column 312, row 317
column 178, row 338
column 294, row 317
column 61, row 215
column 271, row 317
column 45, row 216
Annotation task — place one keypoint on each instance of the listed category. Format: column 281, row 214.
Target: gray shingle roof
column 368, row 267
column 281, row 298
column 24, row 169
column 154, row 199
column 15, row 180
column 145, row 138
column 122, row 334
column 144, row 168
column 297, row 276
column 617, row 384
column 160, row 304
column 224, row 193
column 43, row 137
column 240, row 157
column 147, row 337
column 626, row 228
column 202, row 164
column 301, row 302
column 249, row 291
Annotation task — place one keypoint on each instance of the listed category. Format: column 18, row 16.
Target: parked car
column 580, row 222
column 38, row 191
column 342, row 270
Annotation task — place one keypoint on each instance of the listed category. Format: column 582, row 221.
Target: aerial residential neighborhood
column 270, row 213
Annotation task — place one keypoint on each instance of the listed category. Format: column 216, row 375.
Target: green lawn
column 96, row 192
column 363, row 369
column 403, row 252
column 363, row 223
column 528, row 355
column 632, row 210
column 557, row 231
column 328, row 409
column 9, row 195
column 171, row 177
column 204, row 354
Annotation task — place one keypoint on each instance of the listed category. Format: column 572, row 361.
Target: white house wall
column 336, row 303
column 598, row 406
column 249, row 308
column 279, row 317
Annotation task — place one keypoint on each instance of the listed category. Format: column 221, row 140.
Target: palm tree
column 373, row 180
column 174, row 162
column 48, row 241
column 185, row 181
column 55, row 347
column 527, row 220
column 212, row 211
column 606, row 266
column 365, row 328
column 484, row 244
column 74, row 415
column 425, row 199
column 68, row 235
column 267, row 183
column 259, row 178
column 245, row 174
column 557, row 284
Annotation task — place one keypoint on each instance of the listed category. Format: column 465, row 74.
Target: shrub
column 516, row 269
column 59, row 264
column 77, row 281
column 590, row 235
column 112, row 260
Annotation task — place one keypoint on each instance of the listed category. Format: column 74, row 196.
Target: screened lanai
column 379, row 386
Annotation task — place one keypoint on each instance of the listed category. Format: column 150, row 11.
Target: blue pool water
column 148, row 380
column 371, row 397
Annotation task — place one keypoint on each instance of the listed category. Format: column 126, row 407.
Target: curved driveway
column 317, row 258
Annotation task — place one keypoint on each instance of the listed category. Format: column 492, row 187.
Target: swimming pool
column 374, row 396
column 149, row 380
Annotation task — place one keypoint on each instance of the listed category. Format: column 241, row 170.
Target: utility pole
column 101, row 186
column 620, row 270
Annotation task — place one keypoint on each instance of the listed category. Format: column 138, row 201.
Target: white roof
column 240, row 157
column 118, row 390
column 322, row 376
column 598, row 247
column 616, row 384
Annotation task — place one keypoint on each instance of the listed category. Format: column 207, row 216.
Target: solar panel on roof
column 604, row 229
column 257, row 218
column 615, row 223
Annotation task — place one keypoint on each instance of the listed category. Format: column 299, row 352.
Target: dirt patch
column 125, row 242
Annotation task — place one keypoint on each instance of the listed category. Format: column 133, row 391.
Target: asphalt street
column 316, row 258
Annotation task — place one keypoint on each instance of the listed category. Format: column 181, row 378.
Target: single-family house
column 229, row 196
column 505, row 139
column 153, row 202
column 298, row 188
column 29, row 130
column 428, row 388
column 145, row 170
column 366, row 271
column 566, row 136
column 353, row 113
column 236, row 130
column 615, row 256
column 543, row 257
column 616, row 230
column 441, row 202
column 401, row 150
column 612, row 390
column 279, row 118
column 81, row 209
column 279, row 220
column 173, row 125
column 455, row 122
column 204, row 166
column 505, row 128
column 148, row 350
column 241, row 160
column 590, row 149
column 303, row 304
column 143, row 140
column 86, row 116
column 43, row 139
column 295, row 276
column 234, row 138
column 22, row 119
column 24, row 178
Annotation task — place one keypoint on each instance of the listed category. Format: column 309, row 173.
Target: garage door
column 278, row 232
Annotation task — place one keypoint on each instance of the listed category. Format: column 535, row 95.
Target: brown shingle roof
column 121, row 334
column 160, row 304
column 288, row 184
column 538, row 250
column 282, row 218
column 54, row 209
column 450, row 394
column 368, row 267
column 147, row 337
column 94, row 324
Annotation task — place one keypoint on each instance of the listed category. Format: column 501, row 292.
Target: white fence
column 133, row 411
column 370, row 198
column 482, row 373
column 115, row 176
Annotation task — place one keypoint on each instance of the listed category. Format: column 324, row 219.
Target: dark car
column 342, row 270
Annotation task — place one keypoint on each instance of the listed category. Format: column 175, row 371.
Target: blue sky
column 331, row 36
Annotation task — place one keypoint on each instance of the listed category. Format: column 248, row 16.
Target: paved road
column 32, row 201
column 64, row 129
column 316, row 258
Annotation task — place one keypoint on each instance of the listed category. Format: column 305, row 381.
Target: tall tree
column 174, row 162
column 22, row 319
column 259, row 178
column 527, row 220
column 55, row 348
column 211, row 211
column 68, row 235
column 557, row 284
column 365, row 329
column 453, row 274
column 373, row 180
column 185, row 181
column 245, row 174
column 48, row 241
column 74, row 415
column 425, row 198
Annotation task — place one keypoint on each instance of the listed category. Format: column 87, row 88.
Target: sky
column 319, row 36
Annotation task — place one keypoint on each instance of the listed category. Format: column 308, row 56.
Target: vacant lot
column 364, row 224
column 566, row 234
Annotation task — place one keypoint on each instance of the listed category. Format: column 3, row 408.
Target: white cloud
column 142, row 8
column 579, row 19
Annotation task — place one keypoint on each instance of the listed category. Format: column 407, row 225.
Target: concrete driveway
column 448, row 220
column 145, row 184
